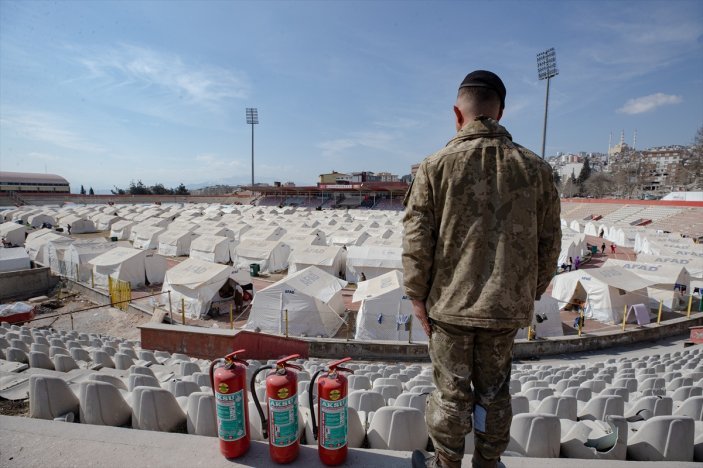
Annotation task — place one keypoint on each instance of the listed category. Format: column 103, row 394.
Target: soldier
column 482, row 239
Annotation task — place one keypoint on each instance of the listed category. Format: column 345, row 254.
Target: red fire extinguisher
column 281, row 427
column 332, row 411
column 229, row 384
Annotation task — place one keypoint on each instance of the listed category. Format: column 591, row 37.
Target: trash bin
column 254, row 269
column 594, row 249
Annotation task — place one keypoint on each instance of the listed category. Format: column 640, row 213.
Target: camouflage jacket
column 482, row 230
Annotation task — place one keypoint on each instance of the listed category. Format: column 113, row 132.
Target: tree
column 159, row 189
column 139, row 188
column 585, row 171
column 181, row 190
column 599, row 184
column 82, row 190
column 91, row 191
column 557, row 178
column 118, row 191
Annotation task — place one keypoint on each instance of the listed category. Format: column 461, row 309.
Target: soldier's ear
column 500, row 115
column 459, row 118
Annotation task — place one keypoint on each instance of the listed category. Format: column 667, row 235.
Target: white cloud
column 139, row 68
column 49, row 128
column 648, row 103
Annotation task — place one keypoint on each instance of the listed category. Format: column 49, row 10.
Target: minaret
column 634, row 141
column 622, row 139
column 610, row 143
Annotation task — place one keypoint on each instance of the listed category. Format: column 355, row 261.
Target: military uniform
column 482, row 238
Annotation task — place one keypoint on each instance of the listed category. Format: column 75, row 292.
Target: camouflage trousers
column 472, row 375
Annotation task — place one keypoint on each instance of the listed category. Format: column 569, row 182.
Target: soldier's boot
column 479, row 462
column 421, row 459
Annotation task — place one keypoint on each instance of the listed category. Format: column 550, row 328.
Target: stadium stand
column 627, row 408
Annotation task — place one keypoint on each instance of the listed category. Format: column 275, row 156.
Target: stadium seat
column 598, row 408
column 141, row 380
column 200, row 415
column 397, row 428
column 102, row 403
column 595, row 439
column 663, row 438
column 111, row 379
column 63, row 363
column 691, row 407
column 535, row 435
column 156, row 409
column 50, row 397
column 40, row 360
column 564, row 407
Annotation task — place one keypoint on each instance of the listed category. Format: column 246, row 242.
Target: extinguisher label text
column 230, row 415
column 333, row 423
column 283, row 421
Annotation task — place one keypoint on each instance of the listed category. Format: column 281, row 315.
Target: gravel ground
column 104, row 320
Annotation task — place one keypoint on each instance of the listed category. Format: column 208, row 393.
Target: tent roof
column 193, row 273
column 117, row 255
column 378, row 286
column 620, row 278
column 312, row 282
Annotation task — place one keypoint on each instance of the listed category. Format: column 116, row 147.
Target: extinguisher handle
column 252, row 386
column 284, row 362
column 232, row 357
column 343, row 369
column 311, row 401
column 335, row 364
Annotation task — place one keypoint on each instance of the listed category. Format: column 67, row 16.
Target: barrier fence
column 120, row 293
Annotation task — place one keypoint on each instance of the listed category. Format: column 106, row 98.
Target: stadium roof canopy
column 31, row 178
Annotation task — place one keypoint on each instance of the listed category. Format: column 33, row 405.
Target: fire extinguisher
column 333, row 413
column 281, row 426
column 229, row 385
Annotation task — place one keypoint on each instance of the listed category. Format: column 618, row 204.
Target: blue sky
column 107, row 92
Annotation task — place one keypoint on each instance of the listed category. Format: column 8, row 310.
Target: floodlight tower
column 252, row 119
column 546, row 69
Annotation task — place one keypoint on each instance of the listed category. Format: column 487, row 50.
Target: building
column 387, row 177
column 334, row 178
column 33, row 182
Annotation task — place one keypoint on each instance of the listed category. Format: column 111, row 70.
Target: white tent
column 81, row 252
column 79, row 224
column 329, row 259
column 313, row 301
column 572, row 245
column 148, row 237
column 196, row 282
column 605, row 290
column 36, row 244
column 549, row 322
column 13, row 233
column 121, row 229
column 372, row 261
column 271, row 256
column 386, row 313
column 348, row 238
column 215, row 249
column 127, row 264
column 175, row 243
column 56, row 255
column 273, row 233
column 37, row 220
column 13, row 259
column 666, row 276
column 104, row 222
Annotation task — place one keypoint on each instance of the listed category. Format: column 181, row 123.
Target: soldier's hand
column 420, row 311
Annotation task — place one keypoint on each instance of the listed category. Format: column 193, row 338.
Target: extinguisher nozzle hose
column 212, row 371
column 311, row 401
column 252, row 386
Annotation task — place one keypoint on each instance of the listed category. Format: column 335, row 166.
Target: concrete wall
column 211, row 343
column 23, row 284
